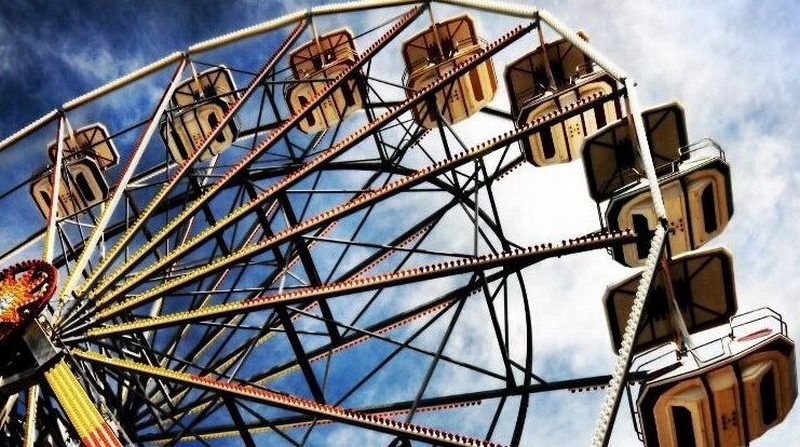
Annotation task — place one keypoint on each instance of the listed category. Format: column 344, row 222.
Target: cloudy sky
column 733, row 66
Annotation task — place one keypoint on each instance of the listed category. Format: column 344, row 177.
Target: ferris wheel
column 292, row 234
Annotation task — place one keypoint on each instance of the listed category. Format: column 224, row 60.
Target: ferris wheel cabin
column 89, row 141
column 705, row 293
column 434, row 52
column 552, row 79
column 723, row 403
column 694, row 178
column 82, row 187
column 699, row 204
column 612, row 164
column 197, row 107
column 86, row 153
column 314, row 65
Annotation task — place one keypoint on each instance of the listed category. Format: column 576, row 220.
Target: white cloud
column 6, row 62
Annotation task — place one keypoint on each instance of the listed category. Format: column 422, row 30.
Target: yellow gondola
column 89, row 141
column 610, row 162
column 694, row 178
column 727, row 401
column 705, row 293
column 430, row 54
column 196, row 108
column 540, row 85
column 699, row 203
column 314, row 65
column 82, row 186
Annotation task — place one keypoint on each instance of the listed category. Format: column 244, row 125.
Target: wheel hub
column 25, row 289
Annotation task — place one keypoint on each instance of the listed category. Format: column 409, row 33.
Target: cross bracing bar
column 292, row 403
column 110, row 232
column 456, row 267
column 412, row 233
column 337, row 149
column 583, row 384
column 343, row 343
column 119, row 227
column 319, row 220
column 203, row 345
column 184, row 168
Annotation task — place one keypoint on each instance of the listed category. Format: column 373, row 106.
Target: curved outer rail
column 513, row 10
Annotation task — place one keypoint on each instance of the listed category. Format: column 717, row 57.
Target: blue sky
column 44, row 44
column 733, row 67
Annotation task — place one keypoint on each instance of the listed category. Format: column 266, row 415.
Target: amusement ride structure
column 285, row 253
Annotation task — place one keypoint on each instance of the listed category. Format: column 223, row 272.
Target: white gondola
column 722, row 393
column 89, row 141
column 698, row 200
column 196, row 108
column 314, row 65
column 576, row 83
column 610, row 162
column 695, row 182
column 82, row 186
column 729, row 400
column 705, row 293
column 432, row 53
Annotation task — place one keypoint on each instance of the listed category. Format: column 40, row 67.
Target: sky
column 733, row 67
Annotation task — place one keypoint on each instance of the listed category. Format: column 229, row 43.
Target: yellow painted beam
column 81, row 411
